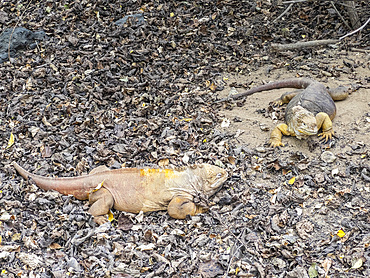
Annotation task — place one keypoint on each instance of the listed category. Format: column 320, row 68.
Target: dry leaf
column 163, row 162
column 327, row 264
column 213, row 87
column 231, row 160
column 55, row 245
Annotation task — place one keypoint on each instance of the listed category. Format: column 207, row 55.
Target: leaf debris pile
column 134, row 84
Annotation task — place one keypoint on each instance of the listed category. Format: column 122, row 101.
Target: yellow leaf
column 205, row 140
column 341, row 233
column 16, row 236
column 110, row 216
column 11, row 141
column 172, row 14
column 237, row 270
column 292, row 180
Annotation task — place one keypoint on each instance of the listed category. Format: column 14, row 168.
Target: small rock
column 264, row 127
column 225, row 123
column 261, row 149
column 328, row 157
column 279, row 263
column 20, row 38
column 73, row 264
column 135, row 18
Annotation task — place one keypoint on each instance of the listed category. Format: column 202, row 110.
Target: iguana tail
column 298, row 83
column 79, row 187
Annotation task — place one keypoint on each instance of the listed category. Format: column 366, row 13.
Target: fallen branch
column 360, row 50
column 299, row 45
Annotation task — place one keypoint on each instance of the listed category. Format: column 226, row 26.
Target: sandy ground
column 351, row 124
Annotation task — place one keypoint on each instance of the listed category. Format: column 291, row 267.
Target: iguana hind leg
column 323, row 121
column 277, row 133
column 180, row 207
column 286, row 97
column 102, row 201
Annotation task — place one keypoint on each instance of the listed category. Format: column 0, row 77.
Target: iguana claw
column 275, row 143
column 277, row 102
column 326, row 135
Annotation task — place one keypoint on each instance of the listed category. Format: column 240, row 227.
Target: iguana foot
column 100, row 220
column 326, row 135
column 277, row 102
column 102, row 201
column 179, row 207
column 275, row 143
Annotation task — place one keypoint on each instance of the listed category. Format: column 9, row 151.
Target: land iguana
column 308, row 110
column 134, row 190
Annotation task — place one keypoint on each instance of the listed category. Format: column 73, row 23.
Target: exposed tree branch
column 299, row 45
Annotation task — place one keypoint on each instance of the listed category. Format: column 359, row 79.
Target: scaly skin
column 308, row 110
column 134, row 190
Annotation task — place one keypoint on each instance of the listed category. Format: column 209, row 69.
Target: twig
column 280, row 16
column 341, row 17
column 299, row 45
column 360, row 50
column 233, row 253
column 295, row 1
column 355, row 31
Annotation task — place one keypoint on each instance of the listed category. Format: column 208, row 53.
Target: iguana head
column 212, row 176
column 303, row 122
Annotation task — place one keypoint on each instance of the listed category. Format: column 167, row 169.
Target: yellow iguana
column 134, row 190
column 308, row 110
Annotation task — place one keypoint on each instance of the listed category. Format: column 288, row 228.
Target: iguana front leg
column 179, row 207
column 102, row 201
column 277, row 133
column 323, row 121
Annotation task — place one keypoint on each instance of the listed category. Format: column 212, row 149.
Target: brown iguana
column 307, row 111
column 134, row 190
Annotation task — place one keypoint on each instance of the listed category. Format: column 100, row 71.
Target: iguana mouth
column 301, row 133
column 307, row 132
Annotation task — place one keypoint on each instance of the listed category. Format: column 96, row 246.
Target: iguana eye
column 219, row 175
